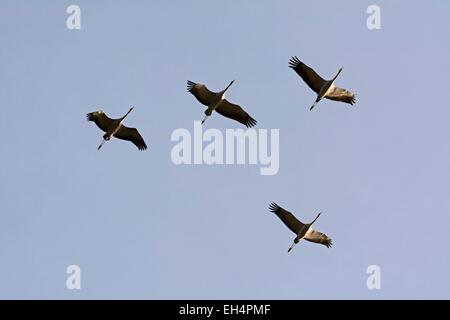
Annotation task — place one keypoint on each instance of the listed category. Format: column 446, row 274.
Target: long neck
column 126, row 115
column 224, row 90
column 318, row 215
column 337, row 74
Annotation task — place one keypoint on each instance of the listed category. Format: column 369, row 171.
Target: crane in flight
column 302, row 230
column 115, row 128
column 323, row 88
column 216, row 101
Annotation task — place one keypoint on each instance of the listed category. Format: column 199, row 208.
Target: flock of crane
column 215, row 101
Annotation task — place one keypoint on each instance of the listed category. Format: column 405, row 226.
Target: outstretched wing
column 131, row 134
column 201, row 92
column 100, row 119
column 235, row 112
column 318, row 237
column 312, row 79
column 288, row 218
column 339, row 94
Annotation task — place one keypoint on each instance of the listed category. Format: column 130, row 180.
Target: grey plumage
column 323, row 88
column 302, row 230
column 114, row 128
column 216, row 101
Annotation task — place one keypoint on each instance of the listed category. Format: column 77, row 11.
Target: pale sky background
column 141, row 227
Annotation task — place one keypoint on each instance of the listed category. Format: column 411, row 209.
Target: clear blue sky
column 141, row 227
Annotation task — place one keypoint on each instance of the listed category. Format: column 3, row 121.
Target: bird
column 115, row 128
column 302, row 230
column 323, row 88
column 216, row 101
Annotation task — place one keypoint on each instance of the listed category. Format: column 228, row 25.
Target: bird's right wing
column 235, row 112
column 318, row 237
column 100, row 119
column 311, row 78
column 131, row 134
column 201, row 92
column 288, row 218
column 342, row 95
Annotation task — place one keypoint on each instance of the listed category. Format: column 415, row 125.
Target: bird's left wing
column 201, row 92
column 101, row 120
column 235, row 112
column 131, row 134
column 287, row 217
column 311, row 78
column 318, row 237
column 339, row 94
